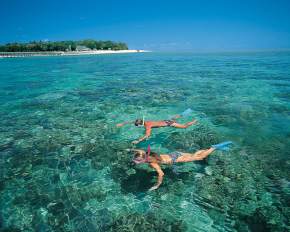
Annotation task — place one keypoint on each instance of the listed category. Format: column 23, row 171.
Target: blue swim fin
column 186, row 112
column 223, row 146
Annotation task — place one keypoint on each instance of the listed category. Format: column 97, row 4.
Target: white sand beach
column 100, row 52
column 71, row 53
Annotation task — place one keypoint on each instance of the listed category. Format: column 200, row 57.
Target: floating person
column 156, row 124
column 152, row 158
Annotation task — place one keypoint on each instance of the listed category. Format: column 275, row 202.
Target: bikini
column 175, row 155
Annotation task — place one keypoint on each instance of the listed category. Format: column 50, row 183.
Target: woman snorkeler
column 152, row 158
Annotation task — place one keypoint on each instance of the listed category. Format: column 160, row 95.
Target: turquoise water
column 63, row 162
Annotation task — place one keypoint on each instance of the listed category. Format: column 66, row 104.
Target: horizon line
column 222, row 51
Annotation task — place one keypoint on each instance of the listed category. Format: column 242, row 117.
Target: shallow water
column 63, row 162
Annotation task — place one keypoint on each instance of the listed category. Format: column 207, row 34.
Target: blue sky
column 196, row 25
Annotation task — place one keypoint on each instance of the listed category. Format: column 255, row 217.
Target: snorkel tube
column 148, row 153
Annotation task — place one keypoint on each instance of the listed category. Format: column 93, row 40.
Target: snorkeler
column 152, row 158
column 156, row 124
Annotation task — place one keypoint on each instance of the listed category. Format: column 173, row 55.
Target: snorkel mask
column 140, row 122
column 140, row 160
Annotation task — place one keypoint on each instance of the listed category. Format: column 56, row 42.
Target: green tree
column 38, row 46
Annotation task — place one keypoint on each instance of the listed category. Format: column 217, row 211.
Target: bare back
column 154, row 124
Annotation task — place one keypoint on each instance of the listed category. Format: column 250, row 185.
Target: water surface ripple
column 63, row 162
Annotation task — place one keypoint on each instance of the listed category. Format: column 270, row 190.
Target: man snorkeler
column 156, row 124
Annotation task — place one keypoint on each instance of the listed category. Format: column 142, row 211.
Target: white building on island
column 81, row 48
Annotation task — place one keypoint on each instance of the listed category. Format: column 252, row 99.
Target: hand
column 135, row 141
column 195, row 121
column 119, row 124
column 153, row 188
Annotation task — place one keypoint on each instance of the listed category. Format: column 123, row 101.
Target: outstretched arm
column 160, row 176
column 123, row 124
column 147, row 135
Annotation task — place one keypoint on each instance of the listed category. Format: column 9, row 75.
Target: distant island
column 64, row 48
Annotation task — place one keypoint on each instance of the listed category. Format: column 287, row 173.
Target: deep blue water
column 64, row 166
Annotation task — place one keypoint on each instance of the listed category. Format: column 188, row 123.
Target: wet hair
column 139, row 155
column 138, row 122
column 142, row 155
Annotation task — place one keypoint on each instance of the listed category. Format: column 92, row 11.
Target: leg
column 183, row 126
column 199, row 155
